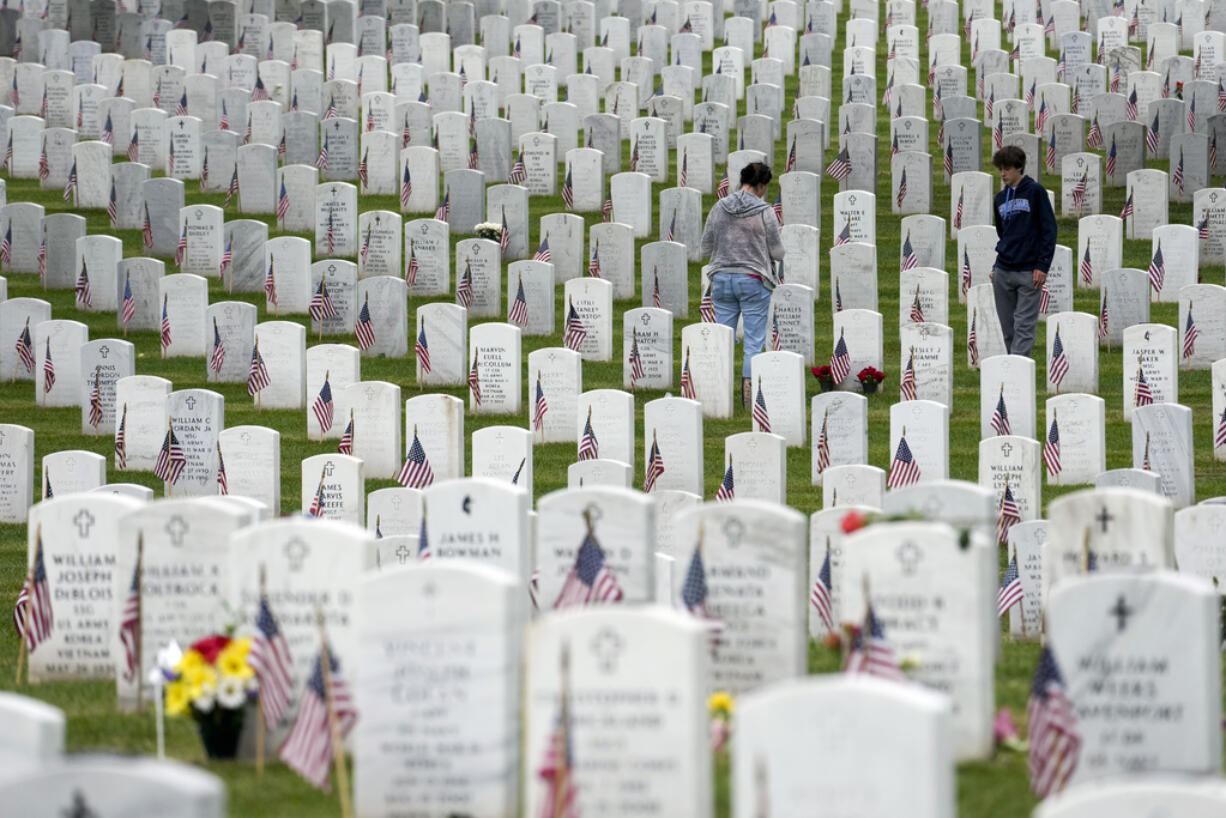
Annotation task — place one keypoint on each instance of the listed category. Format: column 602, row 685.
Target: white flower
column 231, row 692
column 207, row 698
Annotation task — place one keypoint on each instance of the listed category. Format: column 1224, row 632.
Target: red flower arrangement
column 870, row 375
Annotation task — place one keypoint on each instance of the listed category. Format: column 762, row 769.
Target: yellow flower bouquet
column 213, row 682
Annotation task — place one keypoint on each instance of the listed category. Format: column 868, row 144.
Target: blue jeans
column 738, row 294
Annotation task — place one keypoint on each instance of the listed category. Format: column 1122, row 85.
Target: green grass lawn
column 996, row 787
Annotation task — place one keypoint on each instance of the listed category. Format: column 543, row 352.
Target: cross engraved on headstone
column 1121, row 612
column 607, row 646
column 190, row 403
column 1007, row 449
column 734, row 531
column 403, row 553
column 908, row 555
column 84, row 521
column 1103, row 518
column 176, row 527
column 79, row 808
column 296, row 551
column 328, row 468
column 104, row 351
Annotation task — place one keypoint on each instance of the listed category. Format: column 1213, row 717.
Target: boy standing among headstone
column 1026, row 228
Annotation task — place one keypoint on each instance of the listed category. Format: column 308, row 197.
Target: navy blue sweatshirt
column 1026, row 227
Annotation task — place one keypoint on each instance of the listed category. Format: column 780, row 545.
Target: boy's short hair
column 1010, row 156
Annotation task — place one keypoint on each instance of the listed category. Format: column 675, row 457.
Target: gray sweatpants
column 1017, row 305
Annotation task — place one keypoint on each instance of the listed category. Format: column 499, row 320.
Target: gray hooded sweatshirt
column 743, row 233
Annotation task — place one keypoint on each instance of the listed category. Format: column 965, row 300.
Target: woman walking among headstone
column 742, row 241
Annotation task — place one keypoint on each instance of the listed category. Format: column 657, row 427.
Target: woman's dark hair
column 754, row 174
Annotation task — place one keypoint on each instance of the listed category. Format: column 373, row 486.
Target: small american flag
column 606, row 210
column 1104, row 319
column 903, row 470
column 82, row 286
column 345, row 446
column 873, row 656
column 282, row 202
column 170, row 156
column 557, row 767
column 722, row 191
column 844, row 235
column 1055, row 743
column 181, row 249
column 232, row 190
column 504, row 233
column 568, row 191
column 1051, row 448
column 593, row 266
column 270, row 282
column 518, row 173
column 308, row 747
column 129, row 623
column 949, row 160
column 416, row 472
column 364, row 165
column 270, row 659
column 1051, row 152
column 475, row 377
column 540, row 408
column 590, row 580
column 1111, row 158
column 727, row 487
column 321, row 302
column 121, row 441
column 672, row 225
column 655, row 466
column 1152, row 137
column 655, row 288
column 972, row 344
column 575, row 331
column 839, row 168
column 1130, row 107
column 1202, row 229
column 331, row 235
column 25, row 347
column 1044, row 299
column 1079, row 191
column 706, row 308
column 406, row 187
column 422, row 348
column 1040, row 117
column 518, row 314
column 1000, row 415
column 907, row 388
column 411, row 274
column 1087, row 267
column 112, row 211
column 820, row 597
column 33, row 614
column 917, row 308
column 840, row 361
column 6, row 245
column 1142, row 396
column 223, row 483
column 1190, row 334
column 1177, row 175
column 1219, row 439
column 257, row 374
column 760, row 415
column 171, row 460
column 1059, row 361
column 165, row 338
column 687, row 380
column 902, row 188
column 776, row 340
column 474, row 158
column 317, row 502
column 181, row 107
column 778, row 206
column 42, row 259
column 108, row 131
column 464, row 287
column 44, row 165
column 589, row 446
column 823, row 445
column 364, row 329
column 444, row 210
column 323, row 407
column 1008, row 515
column 1094, row 139
column 1128, row 208
column 1010, row 591
column 1157, row 269
column 683, row 174
column 321, row 161
column 95, row 400
column 637, row 372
